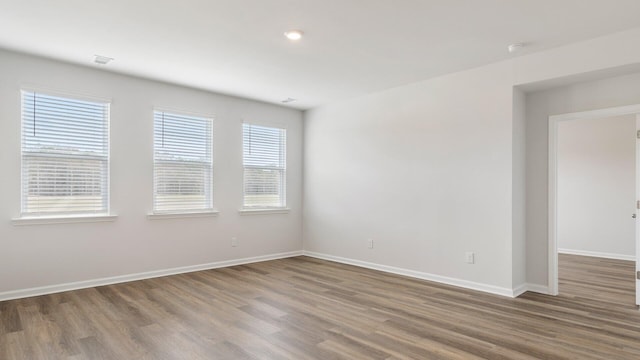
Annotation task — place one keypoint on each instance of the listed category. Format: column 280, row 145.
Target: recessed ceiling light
column 102, row 60
column 293, row 34
column 514, row 48
column 288, row 100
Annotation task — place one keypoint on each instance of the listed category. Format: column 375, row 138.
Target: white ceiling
column 350, row 47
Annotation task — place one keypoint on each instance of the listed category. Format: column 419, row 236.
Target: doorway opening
column 592, row 199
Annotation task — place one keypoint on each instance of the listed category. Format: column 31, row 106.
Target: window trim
column 26, row 218
column 71, row 219
column 182, row 215
column 187, row 213
column 264, row 211
column 67, row 94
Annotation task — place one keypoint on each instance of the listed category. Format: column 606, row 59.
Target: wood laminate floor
column 304, row 308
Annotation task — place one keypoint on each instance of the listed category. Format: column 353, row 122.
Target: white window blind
column 182, row 163
column 65, row 155
column 264, row 162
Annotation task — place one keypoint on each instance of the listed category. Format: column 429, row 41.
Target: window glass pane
column 65, row 155
column 264, row 166
column 183, row 166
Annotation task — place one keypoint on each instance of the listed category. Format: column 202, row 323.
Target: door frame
column 554, row 120
column 637, row 269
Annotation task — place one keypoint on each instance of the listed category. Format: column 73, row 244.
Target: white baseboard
column 523, row 288
column 536, row 288
column 418, row 274
column 597, row 254
column 50, row 289
column 520, row 289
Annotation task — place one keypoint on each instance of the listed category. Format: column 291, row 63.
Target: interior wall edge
column 538, row 288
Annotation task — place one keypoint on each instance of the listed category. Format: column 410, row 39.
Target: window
column 182, row 163
column 264, row 166
column 65, row 155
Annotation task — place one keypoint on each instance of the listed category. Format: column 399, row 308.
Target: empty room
column 281, row 179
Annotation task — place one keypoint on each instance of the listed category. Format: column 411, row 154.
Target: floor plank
column 305, row 308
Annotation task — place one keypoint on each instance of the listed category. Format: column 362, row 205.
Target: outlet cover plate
column 470, row 257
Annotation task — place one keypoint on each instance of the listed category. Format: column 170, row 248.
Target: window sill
column 47, row 220
column 162, row 216
column 264, row 211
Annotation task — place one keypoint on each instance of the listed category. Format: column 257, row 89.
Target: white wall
column 591, row 59
column 596, row 186
column 43, row 255
column 611, row 92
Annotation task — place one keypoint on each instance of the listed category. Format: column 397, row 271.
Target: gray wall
column 519, row 245
column 425, row 170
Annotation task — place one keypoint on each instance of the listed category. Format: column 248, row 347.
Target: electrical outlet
column 370, row 243
column 470, row 257
column 234, row 241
